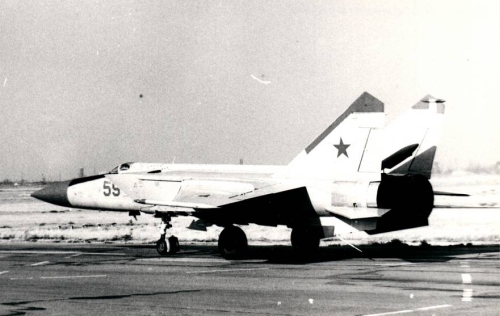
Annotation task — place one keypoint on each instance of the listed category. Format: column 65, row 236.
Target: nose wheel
column 164, row 245
column 167, row 246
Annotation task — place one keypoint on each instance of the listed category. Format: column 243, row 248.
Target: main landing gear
column 232, row 242
column 305, row 240
column 170, row 245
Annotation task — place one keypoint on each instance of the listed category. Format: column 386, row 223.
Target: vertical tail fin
column 426, row 118
column 339, row 149
column 408, row 144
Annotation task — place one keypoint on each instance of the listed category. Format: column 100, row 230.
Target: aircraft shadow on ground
column 285, row 254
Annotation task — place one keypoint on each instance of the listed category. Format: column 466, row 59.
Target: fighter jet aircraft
column 337, row 184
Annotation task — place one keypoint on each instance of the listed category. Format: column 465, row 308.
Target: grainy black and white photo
column 223, row 157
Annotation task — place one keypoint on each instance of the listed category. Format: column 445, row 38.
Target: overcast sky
column 72, row 74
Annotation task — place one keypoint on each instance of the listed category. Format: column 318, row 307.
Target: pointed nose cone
column 56, row 193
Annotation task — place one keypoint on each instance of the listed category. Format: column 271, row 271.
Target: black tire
column 174, row 244
column 163, row 246
column 232, row 243
column 167, row 246
column 305, row 240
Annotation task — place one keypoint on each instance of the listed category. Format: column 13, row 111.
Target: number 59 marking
column 110, row 188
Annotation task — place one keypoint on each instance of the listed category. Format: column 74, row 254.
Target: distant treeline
column 471, row 168
column 11, row 183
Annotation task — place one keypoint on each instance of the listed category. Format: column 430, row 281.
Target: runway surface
column 100, row 279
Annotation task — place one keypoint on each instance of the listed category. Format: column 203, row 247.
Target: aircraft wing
column 211, row 195
column 240, row 201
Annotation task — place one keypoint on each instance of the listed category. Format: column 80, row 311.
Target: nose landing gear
column 170, row 245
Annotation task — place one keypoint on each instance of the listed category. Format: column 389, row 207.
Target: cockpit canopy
column 135, row 167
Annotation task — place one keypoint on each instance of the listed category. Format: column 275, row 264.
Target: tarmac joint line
column 225, row 270
column 411, row 310
column 75, row 276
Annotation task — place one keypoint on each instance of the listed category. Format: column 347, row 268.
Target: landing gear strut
column 232, row 242
column 170, row 245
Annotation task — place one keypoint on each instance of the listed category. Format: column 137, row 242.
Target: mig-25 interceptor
column 344, row 181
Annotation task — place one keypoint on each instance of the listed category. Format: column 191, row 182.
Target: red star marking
column 342, row 148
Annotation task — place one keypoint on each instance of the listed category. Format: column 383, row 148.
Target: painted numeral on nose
column 109, row 189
